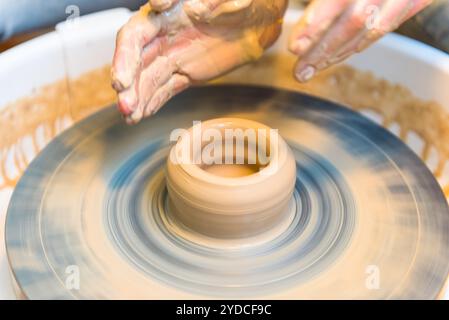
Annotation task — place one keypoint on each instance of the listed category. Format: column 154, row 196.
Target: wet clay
column 231, row 170
column 235, row 200
column 78, row 98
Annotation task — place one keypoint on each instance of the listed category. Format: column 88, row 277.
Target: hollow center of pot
column 233, row 157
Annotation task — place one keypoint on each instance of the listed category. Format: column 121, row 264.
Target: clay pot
column 230, row 200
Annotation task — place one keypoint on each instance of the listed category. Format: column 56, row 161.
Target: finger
column 162, row 5
column 345, row 28
column 317, row 18
column 175, row 85
column 150, row 80
column 131, row 40
column 128, row 98
column 206, row 10
column 391, row 16
column 156, row 48
column 388, row 17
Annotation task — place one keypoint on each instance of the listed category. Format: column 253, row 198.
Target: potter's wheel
column 369, row 220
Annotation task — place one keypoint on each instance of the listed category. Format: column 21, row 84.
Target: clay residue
column 45, row 108
column 76, row 99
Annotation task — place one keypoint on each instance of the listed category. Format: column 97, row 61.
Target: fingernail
column 301, row 45
column 305, row 74
column 129, row 121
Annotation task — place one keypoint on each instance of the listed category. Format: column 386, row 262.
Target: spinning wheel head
column 97, row 199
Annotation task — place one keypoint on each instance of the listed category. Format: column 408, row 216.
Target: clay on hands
column 169, row 45
column 331, row 31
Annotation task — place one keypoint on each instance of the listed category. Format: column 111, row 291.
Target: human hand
column 160, row 53
column 332, row 30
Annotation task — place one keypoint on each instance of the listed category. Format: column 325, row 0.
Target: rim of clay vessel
column 277, row 155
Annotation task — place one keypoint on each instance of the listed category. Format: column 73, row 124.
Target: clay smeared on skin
column 343, row 84
column 64, row 101
column 361, row 91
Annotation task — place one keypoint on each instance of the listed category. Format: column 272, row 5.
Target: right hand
column 330, row 31
column 158, row 54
